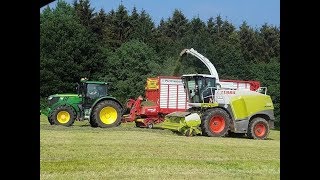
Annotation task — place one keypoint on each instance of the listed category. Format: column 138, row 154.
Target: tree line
column 125, row 47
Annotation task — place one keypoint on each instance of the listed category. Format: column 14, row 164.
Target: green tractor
column 93, row 103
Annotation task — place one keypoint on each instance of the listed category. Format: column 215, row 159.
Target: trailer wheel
column 258, row 128
column 150, row 125
column 215, row 122
column 62, row 115
column 106, row 114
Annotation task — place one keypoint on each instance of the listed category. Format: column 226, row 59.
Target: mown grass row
column 127, row 152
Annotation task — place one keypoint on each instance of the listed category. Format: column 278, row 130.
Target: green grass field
column 127, row 152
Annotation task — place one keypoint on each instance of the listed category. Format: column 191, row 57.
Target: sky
column 254, row 12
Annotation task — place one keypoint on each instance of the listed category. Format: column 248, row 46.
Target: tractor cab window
column 95, row 91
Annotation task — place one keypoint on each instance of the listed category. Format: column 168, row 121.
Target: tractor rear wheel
column 62, row 115
column 106, row 114
column 258, row 128
column 215, row 122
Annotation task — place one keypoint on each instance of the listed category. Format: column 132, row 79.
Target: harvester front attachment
column 186, row 123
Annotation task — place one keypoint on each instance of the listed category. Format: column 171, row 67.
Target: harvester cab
column 218, row 110
column 200, row 88
column 92, row 102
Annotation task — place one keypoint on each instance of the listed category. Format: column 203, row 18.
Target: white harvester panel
column 172, row 95
column 235, row 85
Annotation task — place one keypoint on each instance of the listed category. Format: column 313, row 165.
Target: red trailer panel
column 171, row 95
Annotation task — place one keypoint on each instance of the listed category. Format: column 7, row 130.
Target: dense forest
column 125, row 47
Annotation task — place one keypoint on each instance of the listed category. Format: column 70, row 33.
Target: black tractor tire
column 215, row 122
column 258, row 128
column 103, row 112
column 58, row 116
column 50, row 120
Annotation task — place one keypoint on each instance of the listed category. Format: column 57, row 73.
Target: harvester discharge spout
column 205, row 61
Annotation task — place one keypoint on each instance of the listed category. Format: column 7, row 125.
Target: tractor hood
column 57, row 100
column 62, row 95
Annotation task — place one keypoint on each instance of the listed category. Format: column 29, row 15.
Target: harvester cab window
column 207, row 93
column 194, row 84
column 200, row 89
column 192, row 87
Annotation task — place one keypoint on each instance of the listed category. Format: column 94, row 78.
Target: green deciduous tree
column 68, row 51
column 129, row 67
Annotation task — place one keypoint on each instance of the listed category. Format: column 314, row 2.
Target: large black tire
column 258, row 128
column 215, row 122
column 106, row 114
column 62, row 115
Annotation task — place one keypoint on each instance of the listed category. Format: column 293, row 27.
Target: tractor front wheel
column 215, row 122
column 106, row 114
column 62, row 115
column 258, row 128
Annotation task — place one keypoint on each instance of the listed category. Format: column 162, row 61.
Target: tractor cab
column 200, row 88
column 90, row 91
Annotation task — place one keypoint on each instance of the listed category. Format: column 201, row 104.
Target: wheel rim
column 63, row 117
column 217, row 124
column 260, row 129
column 108, row 115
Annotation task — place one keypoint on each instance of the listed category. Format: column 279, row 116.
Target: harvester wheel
column 258, row 128
column 106, row 114
column 62, row 115
column 215, row 122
